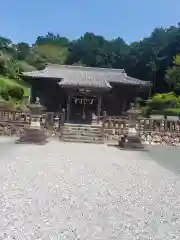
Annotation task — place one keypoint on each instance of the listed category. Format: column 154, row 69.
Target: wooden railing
column 150, row 125
column 111, row 125
column 13, row 122
column 117, row 123
column 121, row 124
column 14, row 117
column 47, row 119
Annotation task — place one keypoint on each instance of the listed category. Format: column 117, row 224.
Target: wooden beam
column 68, row 107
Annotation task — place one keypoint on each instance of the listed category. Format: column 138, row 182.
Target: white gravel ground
column 87, row 192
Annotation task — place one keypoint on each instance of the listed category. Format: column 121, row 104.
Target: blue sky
column 24, row 20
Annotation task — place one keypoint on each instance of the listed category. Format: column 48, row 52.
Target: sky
column 24, row 20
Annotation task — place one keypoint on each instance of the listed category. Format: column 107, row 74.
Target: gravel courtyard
column 88, row 192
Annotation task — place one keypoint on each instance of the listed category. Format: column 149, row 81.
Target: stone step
column 84, row 141
column 81, row 133
column 82, row 129
column 82, row 137
column 81, row 125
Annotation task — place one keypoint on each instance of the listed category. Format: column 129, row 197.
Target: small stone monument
column 133, row 140
column 34, row 134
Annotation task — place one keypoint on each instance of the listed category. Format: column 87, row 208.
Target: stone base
column 34, row 136
column 132, row 142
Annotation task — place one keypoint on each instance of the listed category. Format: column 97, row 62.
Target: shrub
column 165, row 100
column 163, row 104
column 172, row 112
column 16, row 92
column 12, row 69
column 5, row 94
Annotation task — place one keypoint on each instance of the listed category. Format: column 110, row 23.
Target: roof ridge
column 121, row 70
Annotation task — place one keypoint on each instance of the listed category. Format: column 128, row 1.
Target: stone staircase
column 82, row 133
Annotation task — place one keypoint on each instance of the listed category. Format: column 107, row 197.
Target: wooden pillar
column 68, row 107
column 33, row 92
column 123, row 106
column 99, row 108
column 63, row 117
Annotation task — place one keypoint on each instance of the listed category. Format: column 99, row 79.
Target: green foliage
column 165, row 104
column 172, row 112
column 23, row 50
column 51, row 53
column 150, row 59
column 5, row 94
column 12, row 69
column 25, row 67
column 173, row 74
column 6, row 83
column 160, row 101
column 16, row 92
column 51, row 39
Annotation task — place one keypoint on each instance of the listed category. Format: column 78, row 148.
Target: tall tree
column 173, row 75
column 51, row 53
column 52, row 39
column 22, row 50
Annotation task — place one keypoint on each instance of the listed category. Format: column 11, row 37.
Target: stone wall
column 11, row 129
column 159, row 138
column 150, row 138
column 152, row 131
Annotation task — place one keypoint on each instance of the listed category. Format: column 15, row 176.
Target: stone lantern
column 36, row 110
column 132, row 113
column 56, row 122
column 133, row 140
column 35, row 133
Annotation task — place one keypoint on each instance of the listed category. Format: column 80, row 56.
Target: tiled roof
column 79, row 76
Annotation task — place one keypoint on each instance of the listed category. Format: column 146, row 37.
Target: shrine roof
column 79, row 76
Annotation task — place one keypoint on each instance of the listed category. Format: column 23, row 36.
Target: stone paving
column 88, row 192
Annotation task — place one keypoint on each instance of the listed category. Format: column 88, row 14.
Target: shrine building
column 83, row 92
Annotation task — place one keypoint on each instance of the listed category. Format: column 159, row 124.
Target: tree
column 148, row 59
column 173, row 75
column 5, row 43
column 51, row 39
column 164, row 104
column 50, row 53
column 12, row 69
column 2, row 64
column 22, row 50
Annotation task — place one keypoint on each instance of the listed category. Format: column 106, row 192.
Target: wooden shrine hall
column 84, row 92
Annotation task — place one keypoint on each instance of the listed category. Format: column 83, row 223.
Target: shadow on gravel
column 166, row 156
